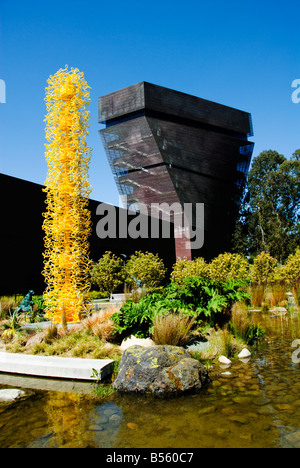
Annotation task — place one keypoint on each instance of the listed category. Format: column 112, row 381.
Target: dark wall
column 21, row 238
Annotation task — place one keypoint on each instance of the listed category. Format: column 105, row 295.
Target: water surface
column 257, row 405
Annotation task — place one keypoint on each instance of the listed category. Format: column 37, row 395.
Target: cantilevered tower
column 165, row 146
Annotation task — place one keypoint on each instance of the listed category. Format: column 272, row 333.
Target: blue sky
column 241, row 54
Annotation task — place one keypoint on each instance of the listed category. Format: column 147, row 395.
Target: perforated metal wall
column 166, row 146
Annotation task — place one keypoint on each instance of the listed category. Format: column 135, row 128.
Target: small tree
column 229, row 266
column 147, row 268
column 291, row 269
column 263, row 269
column 108, row 273
column 184, row 268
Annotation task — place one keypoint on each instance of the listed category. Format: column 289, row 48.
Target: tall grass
column 172, row 329
column 228, row 342
column 242, row 324
column 277, row 294
column 258, row 293
column 82, row 344
column 100, row 323
column 240, row 321
column 7, row 306
column 297, row 294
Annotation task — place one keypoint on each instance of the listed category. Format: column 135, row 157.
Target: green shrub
column 291, row 269
column 229, row 266
column 184, row 268
column 92, row 295
column 108, row 273
column 203, row 299
column 135, row 318
column 145, row 267
column 263, row 269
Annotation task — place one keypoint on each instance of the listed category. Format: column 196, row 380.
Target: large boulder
column 159, row 370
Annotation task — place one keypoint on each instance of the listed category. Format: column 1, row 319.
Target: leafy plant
column 184, row 268
column 291, row 269
column 134, row 318
column 200, row 298
column 108, row 273
column 263, row 269
column 147, row 268
column 11, row 326
column 229, row 266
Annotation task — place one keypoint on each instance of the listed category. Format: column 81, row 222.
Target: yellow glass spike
column 67, row 223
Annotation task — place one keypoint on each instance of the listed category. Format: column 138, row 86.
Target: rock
column 207, row 410
column 115, row 418
column 159, row 370
column 284, row 407
column 11, row 394
column 95, row 428
column 229, row 411
column 261, row 401
column 245, row 360
column 224, row 360
column 238, row 419
column 243, row 400
column 133, row 341
column 35, row 339
column 293, row 439
column 132, row 426
column 200, row 346
column 216, row 383
column 279, row 310
column 245, row 353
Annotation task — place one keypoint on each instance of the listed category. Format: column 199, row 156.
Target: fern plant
column 199, row 298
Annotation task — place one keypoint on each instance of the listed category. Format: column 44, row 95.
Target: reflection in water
column 256, row 405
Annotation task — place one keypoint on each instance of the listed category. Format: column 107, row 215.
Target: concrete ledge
column 54, row 366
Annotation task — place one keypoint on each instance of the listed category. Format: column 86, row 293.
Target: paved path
column 54, row 366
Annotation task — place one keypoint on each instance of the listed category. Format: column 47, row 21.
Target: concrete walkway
column 54, row 366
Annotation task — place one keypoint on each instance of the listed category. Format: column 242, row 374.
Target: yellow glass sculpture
column 67, row 224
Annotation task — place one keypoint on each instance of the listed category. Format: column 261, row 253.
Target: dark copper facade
column 164, row 146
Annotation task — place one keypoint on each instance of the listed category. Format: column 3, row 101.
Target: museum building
column 164, row 146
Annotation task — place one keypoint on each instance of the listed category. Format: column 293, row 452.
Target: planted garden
column 198, row 301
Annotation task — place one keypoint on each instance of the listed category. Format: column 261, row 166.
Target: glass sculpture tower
column 164, row 146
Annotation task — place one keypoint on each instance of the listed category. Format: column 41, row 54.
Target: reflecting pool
column 250, row 404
